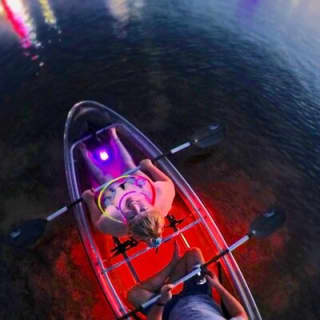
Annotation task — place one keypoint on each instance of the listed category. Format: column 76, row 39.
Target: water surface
column 169, row 67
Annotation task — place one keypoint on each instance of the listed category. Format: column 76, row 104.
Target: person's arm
column 156, row 311
column 164, row 186
column 155, row 173
column 103, row 223
column 233, row 306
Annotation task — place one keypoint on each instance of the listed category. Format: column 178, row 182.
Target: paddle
column 261, row 227
column 30, row 231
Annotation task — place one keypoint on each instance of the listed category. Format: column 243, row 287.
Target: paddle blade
column 267, row 223
column 27, row 233
column 209, row 136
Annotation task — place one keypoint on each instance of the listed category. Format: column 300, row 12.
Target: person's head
column 147, row 226
column 137, row 204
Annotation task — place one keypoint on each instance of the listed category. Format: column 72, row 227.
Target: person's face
column 138, row 204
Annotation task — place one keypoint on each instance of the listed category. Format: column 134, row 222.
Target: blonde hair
column 148, row 225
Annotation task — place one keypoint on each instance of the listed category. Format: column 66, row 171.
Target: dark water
column 169, row 67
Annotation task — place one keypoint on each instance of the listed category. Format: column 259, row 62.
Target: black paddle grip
column 72, row 204
column 131, row 313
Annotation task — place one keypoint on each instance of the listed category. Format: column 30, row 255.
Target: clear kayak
column 121, row 263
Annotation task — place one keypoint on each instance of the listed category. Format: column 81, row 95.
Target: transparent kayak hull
column 117, row 271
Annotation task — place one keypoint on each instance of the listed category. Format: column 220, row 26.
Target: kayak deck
column 120, row 264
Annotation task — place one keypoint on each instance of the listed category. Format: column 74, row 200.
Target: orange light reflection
column 1, row 10
column 48, row 13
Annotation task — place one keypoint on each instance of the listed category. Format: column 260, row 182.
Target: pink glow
column 17, row 13
column 17, row 24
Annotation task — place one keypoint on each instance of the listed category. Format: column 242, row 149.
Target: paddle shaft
column 228, row 250
column 63, row 210
column 159, row 157
column 197, row 271
column 59, row 212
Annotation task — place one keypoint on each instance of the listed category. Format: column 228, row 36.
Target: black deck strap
column 122, row 247
column 173, row 222
column 72, row 204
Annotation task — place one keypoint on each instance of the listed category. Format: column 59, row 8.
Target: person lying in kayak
column 194, row 302
column 135, row 206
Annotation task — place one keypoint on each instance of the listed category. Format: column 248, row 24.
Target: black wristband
column 161, row 304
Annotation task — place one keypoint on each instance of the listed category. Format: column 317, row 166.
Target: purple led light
column 103, row 155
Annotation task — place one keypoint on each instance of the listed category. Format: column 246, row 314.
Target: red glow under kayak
column 117, row 271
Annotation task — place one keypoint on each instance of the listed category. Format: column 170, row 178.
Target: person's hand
column 213, row 280
column 145, row 164
column 87, row 195
column 166, row 293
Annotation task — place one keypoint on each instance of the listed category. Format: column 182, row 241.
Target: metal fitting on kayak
column 155, row 243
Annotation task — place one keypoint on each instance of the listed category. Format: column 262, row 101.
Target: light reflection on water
column 122, row 11
column 18, row 15
column 48, row 13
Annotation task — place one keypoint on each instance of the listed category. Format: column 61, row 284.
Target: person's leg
column 174, row 271
column 195, row 285
column 145, row 290
column 185, row 265
column 94, row 170
column 121, row 150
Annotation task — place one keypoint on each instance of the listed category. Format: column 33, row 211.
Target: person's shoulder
column 165, row 187
column 165, row 194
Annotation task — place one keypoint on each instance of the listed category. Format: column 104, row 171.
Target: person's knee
column 193, row 256
column 137, row 295
column 132, row 295
column 194, row 253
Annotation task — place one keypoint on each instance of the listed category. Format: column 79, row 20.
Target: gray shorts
column 191, row 287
